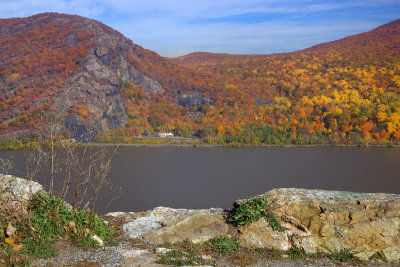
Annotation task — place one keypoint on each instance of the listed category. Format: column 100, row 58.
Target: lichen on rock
column 14, row 195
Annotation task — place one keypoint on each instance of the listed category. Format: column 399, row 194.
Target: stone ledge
column 365, row 224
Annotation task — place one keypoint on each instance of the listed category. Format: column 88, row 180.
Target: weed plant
column 188, row 253
column 251, row 211
column 51, row 220
column 344, row 256
column 178, row 258
column 224, row 244
column 295, row 253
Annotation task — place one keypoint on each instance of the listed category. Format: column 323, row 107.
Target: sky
column 178, row 27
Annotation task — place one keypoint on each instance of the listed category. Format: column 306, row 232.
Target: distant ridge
column 344, row 91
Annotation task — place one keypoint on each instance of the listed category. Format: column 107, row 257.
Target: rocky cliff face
column 71, row 61
column 97, row 84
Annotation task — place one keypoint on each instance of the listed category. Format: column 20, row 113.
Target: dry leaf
column 17, row 247
column 87, row 231
column 9, row 240
column 72, row 226
column 11, row 230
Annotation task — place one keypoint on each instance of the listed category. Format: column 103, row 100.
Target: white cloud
column 23, row 8
column 171, row 38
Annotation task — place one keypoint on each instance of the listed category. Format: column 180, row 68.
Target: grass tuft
column 295, row 253
column 344, row 256
column 179, row 258
column 224, row 244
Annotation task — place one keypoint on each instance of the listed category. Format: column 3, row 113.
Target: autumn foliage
column 36, row 59
column 346, row 91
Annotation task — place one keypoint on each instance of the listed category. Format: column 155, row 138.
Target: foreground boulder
column 166, row 225
column 260, row 235
column 367, row 225
column 14, row 195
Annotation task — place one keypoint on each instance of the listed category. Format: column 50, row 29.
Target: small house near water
column 165, row 135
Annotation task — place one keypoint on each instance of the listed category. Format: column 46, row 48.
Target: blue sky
column 178, row 27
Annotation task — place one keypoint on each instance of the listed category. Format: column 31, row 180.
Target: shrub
column 50, row 219
column 251, row 211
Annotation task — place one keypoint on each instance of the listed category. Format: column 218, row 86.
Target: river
column 204, row 177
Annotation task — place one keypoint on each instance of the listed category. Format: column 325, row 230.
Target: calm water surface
column 203, row 177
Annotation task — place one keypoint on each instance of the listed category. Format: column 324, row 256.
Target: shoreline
column 244, row 146
column 181, row 143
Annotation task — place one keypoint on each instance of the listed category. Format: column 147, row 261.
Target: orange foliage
column 338, row 91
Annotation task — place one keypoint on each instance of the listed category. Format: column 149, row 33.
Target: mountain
column 61, row 62
column 345, row 91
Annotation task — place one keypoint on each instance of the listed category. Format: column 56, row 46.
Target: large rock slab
column 260, row 235
column 167, row 225
column 314, row 220
column 14, row 195
column 330, row 221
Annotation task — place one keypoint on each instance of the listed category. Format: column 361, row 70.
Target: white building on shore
column 165, row 135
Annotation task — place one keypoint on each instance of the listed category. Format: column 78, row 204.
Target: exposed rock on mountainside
column 92, row 78
column 97, row 84
column 193, row 100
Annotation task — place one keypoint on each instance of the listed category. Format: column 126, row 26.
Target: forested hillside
column 346, row 91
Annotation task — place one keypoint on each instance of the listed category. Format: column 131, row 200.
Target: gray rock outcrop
column 366, row 225
column 97, row 84
column 14, row 195
column 166, row 225
column 331, row 221
column 193, row 100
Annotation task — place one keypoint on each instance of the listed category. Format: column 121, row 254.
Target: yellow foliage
column 390, row 127
column 396, row 80
column 337, row 111
column 221, row 129
column 381, row 116
column 395, row 118
column 282, row 102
